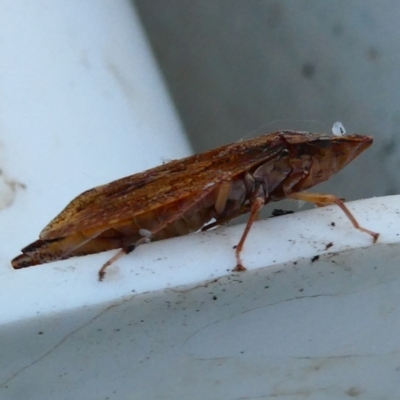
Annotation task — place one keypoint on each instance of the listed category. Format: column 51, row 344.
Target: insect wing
column 179, row 180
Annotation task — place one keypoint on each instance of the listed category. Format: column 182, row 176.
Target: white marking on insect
column 145, row 233
column 338, row 129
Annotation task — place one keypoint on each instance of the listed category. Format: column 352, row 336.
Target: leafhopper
column 183, row 196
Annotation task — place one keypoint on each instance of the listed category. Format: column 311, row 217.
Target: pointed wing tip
column 22, row 261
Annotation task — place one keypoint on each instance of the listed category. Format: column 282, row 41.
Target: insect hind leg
column 326, row 199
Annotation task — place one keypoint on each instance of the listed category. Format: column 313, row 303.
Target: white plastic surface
column 304, row 318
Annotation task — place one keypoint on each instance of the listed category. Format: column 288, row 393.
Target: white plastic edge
column 196, row 258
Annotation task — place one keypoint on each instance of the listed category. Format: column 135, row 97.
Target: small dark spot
column 353, row 392
column 337, row 29
column 275, row 13
column 294, row 262
column 277, row 212
column 301, row 290
column 40, row 333
column 214, row 297
column 333, row 224
column 389, row 147
column 315, row 258
column 266, row 287
column 308, row 70
column 390, row 191
column 130, row 248
column 234, row 247
column 372, row 54
column 330, row 244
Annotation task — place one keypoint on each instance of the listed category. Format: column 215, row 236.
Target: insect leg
column 223, row 195
column 246, row 186
column 326, row 199
column 256, row 206
column 174, row 216
column 118, row 255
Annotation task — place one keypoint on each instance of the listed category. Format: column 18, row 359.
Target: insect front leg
column 326, row 199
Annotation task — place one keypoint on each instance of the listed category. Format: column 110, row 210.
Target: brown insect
column 181, row 196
